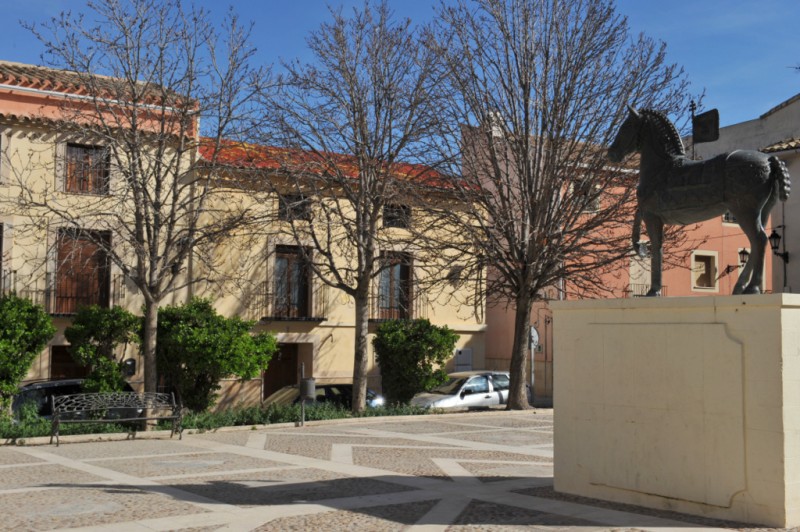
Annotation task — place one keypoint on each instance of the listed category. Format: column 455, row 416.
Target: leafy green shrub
column 411, row 355
column 197, row 348
column 94, row 336
column 26, row 329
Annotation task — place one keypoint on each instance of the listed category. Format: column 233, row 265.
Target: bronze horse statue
column 675, row 190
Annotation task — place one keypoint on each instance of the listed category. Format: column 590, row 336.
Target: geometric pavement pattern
column 474, row 471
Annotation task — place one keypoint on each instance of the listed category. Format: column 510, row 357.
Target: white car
column 467, row 389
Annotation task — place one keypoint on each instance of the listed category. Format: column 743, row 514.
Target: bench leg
column 54, row 431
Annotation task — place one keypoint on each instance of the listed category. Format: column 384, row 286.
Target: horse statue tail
column 637, row 230
column 779, row 172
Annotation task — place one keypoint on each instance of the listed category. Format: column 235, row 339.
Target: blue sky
column 740, row 51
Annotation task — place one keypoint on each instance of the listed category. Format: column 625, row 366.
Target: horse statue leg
column 744, row 276
column 655, row 230
column 753, row 228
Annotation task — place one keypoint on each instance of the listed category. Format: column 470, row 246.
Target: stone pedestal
column 686, row 404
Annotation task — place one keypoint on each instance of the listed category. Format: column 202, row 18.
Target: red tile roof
column 68, row 81
column 243, row 155
column 788, row 144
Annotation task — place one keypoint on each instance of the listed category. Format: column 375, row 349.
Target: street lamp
column 743, row 256
column 774, row 242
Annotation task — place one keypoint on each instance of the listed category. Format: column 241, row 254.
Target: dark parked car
column 41, row 392
column 338, row 394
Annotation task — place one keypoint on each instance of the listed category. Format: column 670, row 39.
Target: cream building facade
column 259, row 274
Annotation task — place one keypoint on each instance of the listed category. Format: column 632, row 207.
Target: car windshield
column 451, row 387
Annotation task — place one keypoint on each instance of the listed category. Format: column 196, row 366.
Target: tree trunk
column 149, row 346
column 518, row 393
column 360, row 361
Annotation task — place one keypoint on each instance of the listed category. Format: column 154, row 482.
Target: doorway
column 281, row 370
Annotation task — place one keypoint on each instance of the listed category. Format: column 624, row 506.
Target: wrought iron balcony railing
column 380, row 309
column 273, row 307
column 63, row 297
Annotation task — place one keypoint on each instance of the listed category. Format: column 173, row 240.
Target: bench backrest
column 83, row 402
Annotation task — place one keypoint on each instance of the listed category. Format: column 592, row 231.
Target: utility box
column 308, row 389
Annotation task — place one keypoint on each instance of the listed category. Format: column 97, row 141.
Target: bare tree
column 137, row 77
column 350, row 120
column 540, row 86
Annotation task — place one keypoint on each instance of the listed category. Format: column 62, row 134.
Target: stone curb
column 164, row 434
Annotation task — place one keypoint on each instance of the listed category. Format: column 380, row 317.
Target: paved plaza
column 475, row 471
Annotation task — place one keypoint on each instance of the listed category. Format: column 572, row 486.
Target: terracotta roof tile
column 254, row 156
column 58, row 80
column 783, row 145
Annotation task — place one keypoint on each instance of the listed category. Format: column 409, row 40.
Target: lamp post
column 743, row 256
column 775, row 242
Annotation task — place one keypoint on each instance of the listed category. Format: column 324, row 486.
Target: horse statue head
column 642, row 129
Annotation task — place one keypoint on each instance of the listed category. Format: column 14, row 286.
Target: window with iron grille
column 292, row 283
column 294, row 207
column 87, row 169
column 82, row 271
column 394, row 287
column 397, row 216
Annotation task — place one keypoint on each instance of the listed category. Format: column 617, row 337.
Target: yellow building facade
column 258, row 274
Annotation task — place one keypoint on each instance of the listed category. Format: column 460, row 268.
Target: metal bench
column 115, row 407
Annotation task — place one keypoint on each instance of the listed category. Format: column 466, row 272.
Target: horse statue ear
column 633, row 111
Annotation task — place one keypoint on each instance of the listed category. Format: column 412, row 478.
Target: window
column 500, row 382
column 87, row 169
column 292, row 281
column 82, row 271
column 704, row 271
column 478, row 384
column 63, row 366
column 394, row 287
column 396, row 216
column 293, row 207
column 454, row 275
column 586, row 195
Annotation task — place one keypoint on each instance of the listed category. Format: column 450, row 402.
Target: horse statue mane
column 669, row 136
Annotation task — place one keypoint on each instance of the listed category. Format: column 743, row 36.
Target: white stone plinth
column 687, row 404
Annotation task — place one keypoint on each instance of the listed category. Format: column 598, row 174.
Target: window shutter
column 5, row 157
column 61, row 165
column 115, row 177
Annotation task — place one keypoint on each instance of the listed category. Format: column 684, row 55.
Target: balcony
column 640, row 290
column 272, row 308
column 63, row 300
column 417, row 308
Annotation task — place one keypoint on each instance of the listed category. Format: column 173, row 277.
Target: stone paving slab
column 285, row 486
column 43, row 475
column 473, row 471
column 419, row 462
column 115, row 449
column 511, row 437
column 320, row 445
column 419, row 427
column 384, row 518
column 78, row 506
column 10, row 456
column 185, row 464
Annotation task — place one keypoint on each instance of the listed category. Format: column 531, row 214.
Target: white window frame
column 715, row 265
